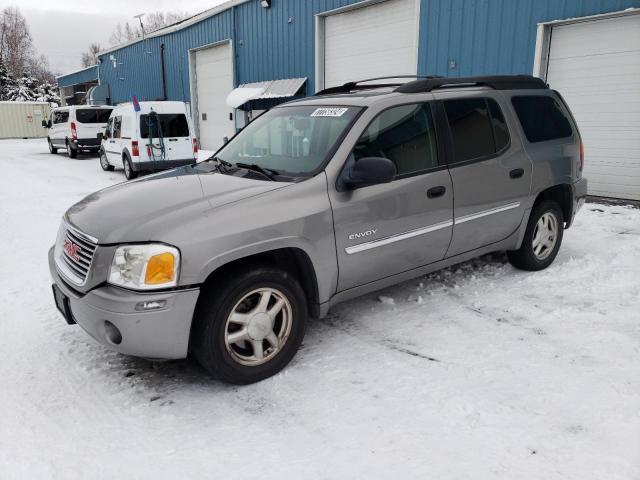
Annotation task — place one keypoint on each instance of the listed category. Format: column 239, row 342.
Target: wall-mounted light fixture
column 265, row 3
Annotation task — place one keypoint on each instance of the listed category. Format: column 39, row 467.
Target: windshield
column 293, row 140
column 93, row 115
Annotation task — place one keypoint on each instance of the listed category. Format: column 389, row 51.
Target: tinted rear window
column 471, row 129
column 541, row 117
column 93, row 115
column 171, row 125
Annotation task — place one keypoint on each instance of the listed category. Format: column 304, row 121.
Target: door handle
column 516, row 173
column 436, row 192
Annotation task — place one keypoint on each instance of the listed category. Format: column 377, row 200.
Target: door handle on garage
column 436, row 192
column 516, row 173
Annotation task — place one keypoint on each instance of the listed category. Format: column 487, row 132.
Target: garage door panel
column 596, row 66
column 373, row 41
column 214, row 81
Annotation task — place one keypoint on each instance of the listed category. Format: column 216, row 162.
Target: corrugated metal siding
column 82, row 76
column 23, row 119
column 481, row 36
column 493, row 36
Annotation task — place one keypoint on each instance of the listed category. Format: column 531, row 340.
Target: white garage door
column 595, row 65
column 372, row 41
column 213, row 82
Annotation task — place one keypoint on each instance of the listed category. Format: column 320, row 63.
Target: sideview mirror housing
column 46, row 123
column 369, row 171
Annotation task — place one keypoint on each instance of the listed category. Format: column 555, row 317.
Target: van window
column 117, row 127
column 542, row 118
column 60, row 116
column 93, row 115
column 405, row 135
column 171, row 125
column 500, row 130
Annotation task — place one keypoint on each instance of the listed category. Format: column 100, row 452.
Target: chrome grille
column 76, row 254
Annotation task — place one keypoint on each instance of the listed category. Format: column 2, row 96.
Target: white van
column 76, row 128
column 157, row 137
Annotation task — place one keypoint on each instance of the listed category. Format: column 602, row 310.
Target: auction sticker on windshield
column 329, row 112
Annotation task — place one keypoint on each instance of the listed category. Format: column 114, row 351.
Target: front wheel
column 104, row 162
column 542, row 238
column 52, row 149
column 250, row 326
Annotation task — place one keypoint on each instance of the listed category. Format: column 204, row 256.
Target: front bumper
column 156, row 334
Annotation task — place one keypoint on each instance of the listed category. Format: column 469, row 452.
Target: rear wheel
column 104, row 162
column 52, row 149
column 129, row 173
column 542, row 238
column 250, row 326
column 71, row 152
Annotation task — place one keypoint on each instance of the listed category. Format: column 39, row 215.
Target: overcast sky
column 62, row 29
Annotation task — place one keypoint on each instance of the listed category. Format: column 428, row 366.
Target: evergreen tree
column 6, row 81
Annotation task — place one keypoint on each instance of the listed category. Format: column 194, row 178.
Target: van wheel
column 129, row 173
column 542, row 238
column 52, row 149
column 71, row 152
column 104, row 163
column 250, row 326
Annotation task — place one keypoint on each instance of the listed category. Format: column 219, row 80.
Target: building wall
column 479, row 36
column 81, row 76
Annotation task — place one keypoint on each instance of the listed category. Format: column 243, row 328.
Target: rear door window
column 542, row 118
column 169, row 125
column 477, row 126
column 405, row 135
column 93, row 115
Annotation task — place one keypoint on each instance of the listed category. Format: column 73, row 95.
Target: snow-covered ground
column 479, row 371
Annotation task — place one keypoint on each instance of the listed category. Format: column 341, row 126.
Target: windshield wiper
column 267, row 172
column 223, row 165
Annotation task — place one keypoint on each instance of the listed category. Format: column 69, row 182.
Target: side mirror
column 225, row 140
column 369, row 171
column 46, row 123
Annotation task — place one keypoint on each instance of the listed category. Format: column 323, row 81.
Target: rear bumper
column 87, row 143
column 161, row 165
column 157, row 334
column 579, row 197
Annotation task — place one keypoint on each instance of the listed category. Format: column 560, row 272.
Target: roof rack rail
column 351, row 86
column 497, row 82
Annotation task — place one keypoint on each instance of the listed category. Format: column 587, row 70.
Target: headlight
column 145, row 267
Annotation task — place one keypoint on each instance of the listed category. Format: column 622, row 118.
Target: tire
column 540, row 247
column 71, row 152
column 104, row 162
column 53, row 150
column 278, row 334
column 129, row 173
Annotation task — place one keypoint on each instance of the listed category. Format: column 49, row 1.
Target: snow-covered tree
column 24, row 89
column 47, row 92
column 6, row 81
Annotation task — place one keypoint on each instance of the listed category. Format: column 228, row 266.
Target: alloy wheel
column 545, row 235
column 258, row 326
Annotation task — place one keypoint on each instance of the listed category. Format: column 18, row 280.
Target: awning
column 260, row 90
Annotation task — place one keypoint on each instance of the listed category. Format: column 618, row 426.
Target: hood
column 137, row 211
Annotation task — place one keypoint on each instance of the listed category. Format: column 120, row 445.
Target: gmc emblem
column 72, row 249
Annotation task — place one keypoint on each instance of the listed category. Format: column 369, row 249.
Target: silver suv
column 315, row 202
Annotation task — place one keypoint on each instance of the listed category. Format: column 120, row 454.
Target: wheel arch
column 293, row 260
column 562, row 194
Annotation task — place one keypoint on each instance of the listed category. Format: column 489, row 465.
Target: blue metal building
column 296, row 47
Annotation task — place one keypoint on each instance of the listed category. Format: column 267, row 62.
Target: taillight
column 195, row 145
column 74, row 132
column 581, row 156
column 135, row 151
